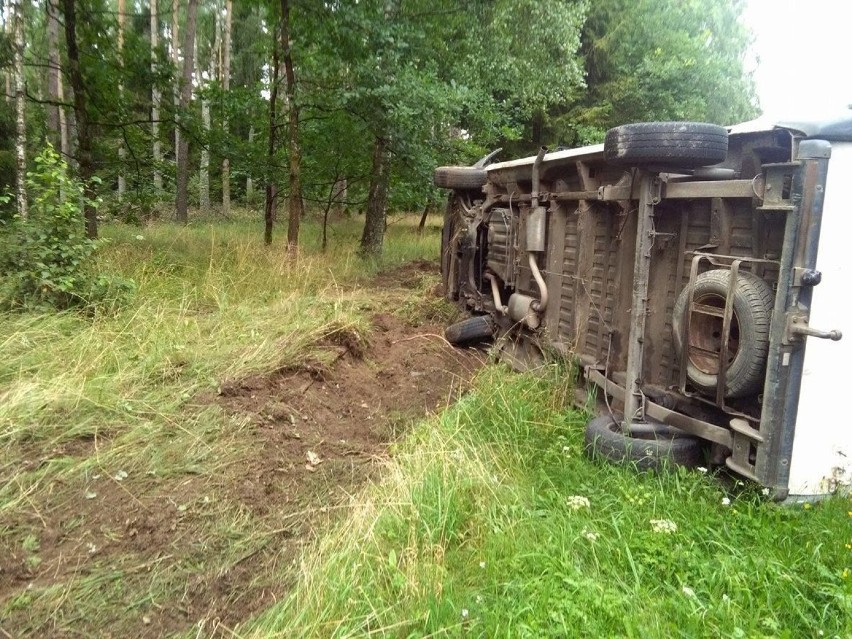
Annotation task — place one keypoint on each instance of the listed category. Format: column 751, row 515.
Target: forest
column 178, row 109
column 227, row 407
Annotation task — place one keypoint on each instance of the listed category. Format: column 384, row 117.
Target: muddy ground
column 316, row 434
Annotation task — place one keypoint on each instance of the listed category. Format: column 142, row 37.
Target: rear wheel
column 666, row 144
column 649, row 446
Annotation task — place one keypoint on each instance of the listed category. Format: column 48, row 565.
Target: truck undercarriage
column 675, row 265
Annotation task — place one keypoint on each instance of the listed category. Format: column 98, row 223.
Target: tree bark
column 85, row 164
column 295, row 203
column 249, row 181
column 226, row 86
column 375, row 220
column 176, row 64
column 269, row 210
column 53, row 73
column 20, row 111
column 181, row 198
column 122, row 152
column 204, row 169
column 155, row 98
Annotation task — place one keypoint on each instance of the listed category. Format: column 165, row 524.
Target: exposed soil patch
column 314, row 434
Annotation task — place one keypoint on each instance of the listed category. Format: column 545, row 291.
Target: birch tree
column 204, row 168
column 155, row 98
column 176, row 64
column 181, row 199
column 226, row 86
column 85, row 160
column 295, row 160
column 20, row 110
column 122, row 152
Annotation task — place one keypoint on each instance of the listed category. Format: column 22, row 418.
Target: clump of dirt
column 315, row 432
column 343, row 417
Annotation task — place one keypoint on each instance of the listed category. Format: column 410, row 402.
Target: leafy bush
column 46, row 259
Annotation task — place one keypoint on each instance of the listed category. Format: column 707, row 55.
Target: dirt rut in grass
column 316, row 434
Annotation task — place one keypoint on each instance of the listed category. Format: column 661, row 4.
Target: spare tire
column 460, row 177
column 649, row 446
column 666, row 144
column 748, row 343
column 470, row 331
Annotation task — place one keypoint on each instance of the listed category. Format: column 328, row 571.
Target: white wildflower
column 482, row 565
column 140, row 237
column 726, row 501
column 689, row 592
column 590, row 535
column 576, row 502
column 479, row 599
column 663, row 526
column 764, row 492
column 465, row 613
column 702, row 470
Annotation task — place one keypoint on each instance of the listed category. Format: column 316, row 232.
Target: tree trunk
column 53, row 73
column 122, row 152
column 269, row 210
column 340, row 194
column 176, row 64
column 204, row 169
column 155, row 98
column 296, row 210
column 423, row 217
column 226, row 86
column 377, row 199
column 7, row 28
column 20, row 113
column 181, row 198
column 249, row 181
column 84, row 143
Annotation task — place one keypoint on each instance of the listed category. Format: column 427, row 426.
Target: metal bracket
column 798, row 329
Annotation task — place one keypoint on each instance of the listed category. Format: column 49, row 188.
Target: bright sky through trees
column 803, row 50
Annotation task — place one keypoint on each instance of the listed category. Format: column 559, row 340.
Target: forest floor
column 95, row 543
column 315, row 432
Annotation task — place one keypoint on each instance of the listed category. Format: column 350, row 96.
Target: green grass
column 84, row 400
column 479, row 528
column 471, row 530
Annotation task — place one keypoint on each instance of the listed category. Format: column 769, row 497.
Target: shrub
column 46, row 259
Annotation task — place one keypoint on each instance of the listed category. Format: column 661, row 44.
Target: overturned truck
column 698, row 277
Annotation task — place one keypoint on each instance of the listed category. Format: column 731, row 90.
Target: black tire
column 460, row 177
column 649, row 446
column 470, row 331
column 666, row 144
column 749, row 341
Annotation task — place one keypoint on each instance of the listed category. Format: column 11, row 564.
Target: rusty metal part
column 521, row 310
column 540, row 305
column 536, row 168
column 495, row 293
column 691, row 425
column 633, row 403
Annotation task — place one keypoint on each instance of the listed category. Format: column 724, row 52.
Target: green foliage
column 490, row 521
column 46, row 259
column 651, row 60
